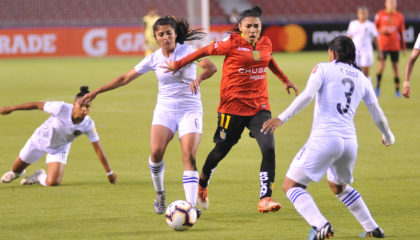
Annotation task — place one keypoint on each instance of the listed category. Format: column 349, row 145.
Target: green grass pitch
column 86, row 206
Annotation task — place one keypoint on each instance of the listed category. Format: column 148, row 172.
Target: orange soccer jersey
column 243, row 90
column 390, row 27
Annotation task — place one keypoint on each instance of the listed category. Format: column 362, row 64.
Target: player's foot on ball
column 267, row 204
column 323, row 233
column 10, row 176
column 377, row 233
column 159, row 205
column 203, row 197
column 397, row 94
column 198, row 212
column 33, row 179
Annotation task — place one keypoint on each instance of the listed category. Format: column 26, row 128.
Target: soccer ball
column 181, row 215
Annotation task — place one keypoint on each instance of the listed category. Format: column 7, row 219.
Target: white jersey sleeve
column 53, row 108
column 417, row 44
column 370, row 96
column 92, row 133
column 373, row 30
column 350, row 29
column 144, row 65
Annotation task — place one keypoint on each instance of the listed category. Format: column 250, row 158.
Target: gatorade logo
column 95, row 43
column 289, row 38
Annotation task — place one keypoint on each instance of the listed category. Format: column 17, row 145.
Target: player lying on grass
column 54, row 137
column 244, row 100
column 339, row 86
column 179, row 104
column 409, row 68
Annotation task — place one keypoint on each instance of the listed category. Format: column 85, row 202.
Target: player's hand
column 88, row 97
column 404, row 52
column 406, row 92
column 195, row 85
column 170, row 67
column 271, row 125
column 289, row 85
column 113, row 178
column 6, row 110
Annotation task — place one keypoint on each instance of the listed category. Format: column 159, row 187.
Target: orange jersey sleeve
column 391, row 29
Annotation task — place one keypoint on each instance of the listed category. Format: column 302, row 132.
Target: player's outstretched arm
column 381, row 122
column 117, row 82
column 297, row 105
column 209, row 69
column 112, row 177
column 25, row 106
column 272, row 65
column 172, row 66
column 408, row 70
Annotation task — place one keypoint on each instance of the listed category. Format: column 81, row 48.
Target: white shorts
column 364, row 58
column 335, row 155
column 31, row 153
column 187, row 122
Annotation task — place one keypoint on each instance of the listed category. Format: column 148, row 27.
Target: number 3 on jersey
column 348, row 96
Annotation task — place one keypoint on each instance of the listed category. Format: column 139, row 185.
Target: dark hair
column 83, row 91
column 182, row 29
column 345, row 49
column 256, row 11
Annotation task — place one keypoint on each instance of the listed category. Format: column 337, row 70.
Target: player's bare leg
column 365, row 71
column 381, row 67
column 18, row 170
column 160, row 137
column 396, row 79
column 354, row 202
column 189, row 146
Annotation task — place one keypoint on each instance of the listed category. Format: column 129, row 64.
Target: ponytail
column 182, row 29
column 345, row 49
column 256, row 11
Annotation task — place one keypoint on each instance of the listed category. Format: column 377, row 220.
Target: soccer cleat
column 377, row 92
column 33, row 179
column 198, row 212
column 267, row 204
column 159, row 205
column 10, row 176
column 397, row 94
column 377, row 233
column 324, row 233
column 203, row 197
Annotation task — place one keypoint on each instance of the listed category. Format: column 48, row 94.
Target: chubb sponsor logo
column 243, row 49
column 253, row 70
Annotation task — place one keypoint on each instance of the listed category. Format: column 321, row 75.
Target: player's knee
column 221, row 150
column 157, row 154
column 52, row 182
column 190, row 159
column 335, row 188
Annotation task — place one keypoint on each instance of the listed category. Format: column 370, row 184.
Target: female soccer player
column 244, row 99
column 177, row 108
column 54, row 137
column 391, row 27
column 409, row 68
column 339, row 87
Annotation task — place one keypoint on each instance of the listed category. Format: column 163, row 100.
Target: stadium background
column 108, row 28
column 86, row 206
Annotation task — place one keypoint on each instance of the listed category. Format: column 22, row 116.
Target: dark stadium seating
column 30, row 13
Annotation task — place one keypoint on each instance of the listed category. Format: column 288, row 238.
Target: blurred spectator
column 149, row 20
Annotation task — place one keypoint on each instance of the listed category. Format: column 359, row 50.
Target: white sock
column 191, row 186
column 305, row 205
column 352, row 199
column 158, row 171
column 41, row 178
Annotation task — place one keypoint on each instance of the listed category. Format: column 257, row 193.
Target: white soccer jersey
column 58, row 132
column 417, row 44
column 174, row 89
column 362, row 34
column 342, row 89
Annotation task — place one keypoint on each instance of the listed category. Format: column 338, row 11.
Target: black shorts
column 230, row 127
column 395, row 55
